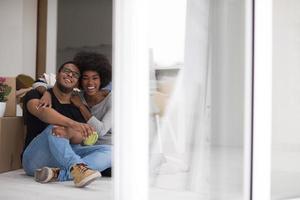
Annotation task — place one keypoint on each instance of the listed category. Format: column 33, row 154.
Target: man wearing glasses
column 53, row 147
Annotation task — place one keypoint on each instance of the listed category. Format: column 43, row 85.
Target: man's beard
column 64, row 89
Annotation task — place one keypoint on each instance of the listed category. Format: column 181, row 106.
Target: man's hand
column 45, row 100
column 60, row 131
column 101, row 94
column 76, row 132
column 75, row 99
column 84, row 129
column 104, row 92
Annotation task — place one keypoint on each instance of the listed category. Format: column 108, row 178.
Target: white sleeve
column 102, row 127
column 38, row 84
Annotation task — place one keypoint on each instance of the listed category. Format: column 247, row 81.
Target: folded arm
column 75, row 131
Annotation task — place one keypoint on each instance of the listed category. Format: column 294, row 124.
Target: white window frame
column 262, row 101
column 248, row 93
column 130, row 99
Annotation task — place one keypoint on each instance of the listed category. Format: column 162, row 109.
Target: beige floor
column 285, row 172
column 15, row 185
column 225, row 183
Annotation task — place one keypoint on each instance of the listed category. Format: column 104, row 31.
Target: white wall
column 286, row 99
column 51, row 36
column 286, row 73
column 18, row 37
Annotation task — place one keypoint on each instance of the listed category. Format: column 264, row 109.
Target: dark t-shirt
column 35, row 126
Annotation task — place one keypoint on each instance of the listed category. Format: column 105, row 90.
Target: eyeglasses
column 67, row 71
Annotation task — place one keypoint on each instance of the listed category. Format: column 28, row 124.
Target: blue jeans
column 51, row 151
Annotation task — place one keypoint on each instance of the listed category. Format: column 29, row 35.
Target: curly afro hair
column 92, row 61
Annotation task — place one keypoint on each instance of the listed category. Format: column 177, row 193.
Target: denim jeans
column 51, row 151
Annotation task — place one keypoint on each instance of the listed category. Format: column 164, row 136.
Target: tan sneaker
column 46, row 174
column 83, row 175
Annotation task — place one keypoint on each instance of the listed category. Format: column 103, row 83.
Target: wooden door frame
column 41, row 37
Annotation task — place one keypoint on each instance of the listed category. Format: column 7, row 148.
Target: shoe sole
column 87, row 180
column 43, row 175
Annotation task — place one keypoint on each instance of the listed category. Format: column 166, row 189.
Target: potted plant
column 4, row 92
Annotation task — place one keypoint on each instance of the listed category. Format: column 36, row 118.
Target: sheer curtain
column 196, row 93
column 185, row 127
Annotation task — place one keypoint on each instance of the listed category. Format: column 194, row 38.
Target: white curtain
column 185, row 128
column 196, row 93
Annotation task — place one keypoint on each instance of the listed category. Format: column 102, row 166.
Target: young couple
column 55, row 133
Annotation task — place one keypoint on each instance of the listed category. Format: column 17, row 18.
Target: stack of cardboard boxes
column 12, row 133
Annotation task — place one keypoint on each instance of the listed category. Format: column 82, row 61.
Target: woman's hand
column 45, row 100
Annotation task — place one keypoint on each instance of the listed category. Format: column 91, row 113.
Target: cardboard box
column 11, row 106
column 12, row 135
